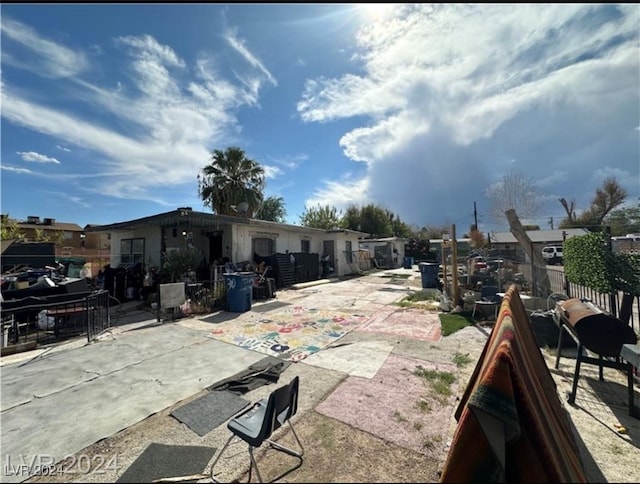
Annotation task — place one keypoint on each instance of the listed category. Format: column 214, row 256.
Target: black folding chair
column 256, row 424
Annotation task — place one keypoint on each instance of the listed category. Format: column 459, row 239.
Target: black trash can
column 429, row 274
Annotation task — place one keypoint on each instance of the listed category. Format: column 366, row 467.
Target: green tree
column 9, row 229
column 320, row 217
column 272, row 210
column 56, row 237
column 608, row 196
column 398, row 227
column 374, row 220
column 624, row 221
column 231, row 179
column 351, row 218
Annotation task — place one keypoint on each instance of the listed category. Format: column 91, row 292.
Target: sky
column 110, row 111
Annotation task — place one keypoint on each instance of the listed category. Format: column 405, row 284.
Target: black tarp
column 32, row 254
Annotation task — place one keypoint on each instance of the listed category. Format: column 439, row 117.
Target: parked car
column 552, row 254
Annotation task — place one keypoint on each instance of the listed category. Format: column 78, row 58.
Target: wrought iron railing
column 47, row 320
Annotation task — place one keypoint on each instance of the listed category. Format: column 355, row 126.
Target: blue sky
column 109, row 112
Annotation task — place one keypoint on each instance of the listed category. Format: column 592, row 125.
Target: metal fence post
column 613, row 305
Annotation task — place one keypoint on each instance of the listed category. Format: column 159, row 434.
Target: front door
column 329, row 249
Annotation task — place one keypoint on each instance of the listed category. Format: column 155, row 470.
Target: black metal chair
column 256, row 425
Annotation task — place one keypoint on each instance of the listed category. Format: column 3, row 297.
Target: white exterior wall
column 342, row 267
column 237, row 243
column 152, row 244
column 290, row 240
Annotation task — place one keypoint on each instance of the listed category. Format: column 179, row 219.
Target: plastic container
column 408, row 262
column 239, row 291
column 429, row 274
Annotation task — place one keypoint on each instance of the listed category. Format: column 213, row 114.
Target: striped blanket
column 512, row 426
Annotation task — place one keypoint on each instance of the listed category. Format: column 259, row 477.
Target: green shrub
column 589, row 262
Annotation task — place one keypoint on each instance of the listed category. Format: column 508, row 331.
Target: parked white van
column 552, row 254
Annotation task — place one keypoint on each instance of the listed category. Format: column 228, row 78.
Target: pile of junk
column 33, row 283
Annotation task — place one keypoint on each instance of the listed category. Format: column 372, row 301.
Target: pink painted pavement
column 409, row 323
column 387, row 405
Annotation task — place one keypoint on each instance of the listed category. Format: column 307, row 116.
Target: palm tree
column 231, row 179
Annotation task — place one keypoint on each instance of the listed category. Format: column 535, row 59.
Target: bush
column 589, row 262
column 179, row 263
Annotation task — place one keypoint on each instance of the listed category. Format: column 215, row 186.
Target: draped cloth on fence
column 512, row 426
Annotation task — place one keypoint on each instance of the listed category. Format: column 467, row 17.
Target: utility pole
column 454, row 264
column 551, row 222
column 475, row 216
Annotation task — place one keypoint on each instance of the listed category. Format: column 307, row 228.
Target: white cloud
column 442, row 91
column 239, row 45
column 608, row 171
column 36, row 157
column 50, row 59
column 291, row 162
column 13, row 169
column 555, row 178
column 74, row 199
column 272, row 171
column 146, row 47
column 167, row 119
column 62, row 148
column 340, row 194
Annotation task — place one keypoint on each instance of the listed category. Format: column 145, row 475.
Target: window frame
column 135, row 253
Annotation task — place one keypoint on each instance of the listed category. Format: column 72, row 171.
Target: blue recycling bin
column 429, row 274
column 239, row 291
column 408, row 262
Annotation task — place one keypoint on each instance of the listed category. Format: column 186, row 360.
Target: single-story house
column 507, row 245
column 221, row 237
column 387, row 251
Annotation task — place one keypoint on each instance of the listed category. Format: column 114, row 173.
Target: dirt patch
column 336, row 452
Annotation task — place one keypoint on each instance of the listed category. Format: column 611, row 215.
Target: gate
column 33, row 321
column 97, row 312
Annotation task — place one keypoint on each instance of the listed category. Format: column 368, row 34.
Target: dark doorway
column 328, row 248
column 215, row 246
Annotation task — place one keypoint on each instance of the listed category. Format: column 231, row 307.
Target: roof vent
column 49, row 221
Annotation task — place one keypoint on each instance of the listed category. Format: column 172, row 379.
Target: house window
column 263, row 246
column 305, row 246
column 132, row 251
column 349, row 251
column 68, row 235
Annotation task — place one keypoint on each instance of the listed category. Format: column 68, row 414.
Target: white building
column 224, row 238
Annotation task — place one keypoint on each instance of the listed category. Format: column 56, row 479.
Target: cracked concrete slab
column 59, row 405
column 362, row 359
